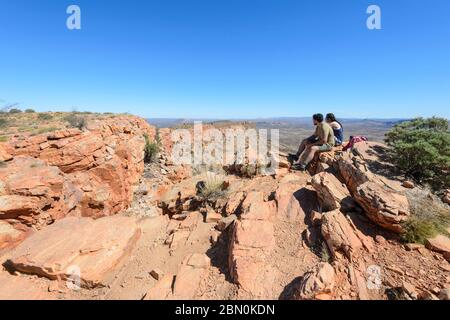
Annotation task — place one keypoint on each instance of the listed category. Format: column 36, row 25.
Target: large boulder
column 440, row 243
column 94, row 248
column 339, row 234
column 294, row 200
column 317, row 283
column 383, row 206
column 381, row 201
column 354, row 171
column 330, row 191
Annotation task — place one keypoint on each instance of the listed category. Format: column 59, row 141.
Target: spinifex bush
column 421, row 149
column 213, row 188
column 75, row 121
column 151, row 150
column 429, row 217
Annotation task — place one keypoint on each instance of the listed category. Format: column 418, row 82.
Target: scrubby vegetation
column 44, row 130
column 76, row 121
column 3, row 123
column 213, row 188
column 429, row 217
column 15, row 110
column 421, row 149
column 30, row 111
column 45, row 116
column 151, row 149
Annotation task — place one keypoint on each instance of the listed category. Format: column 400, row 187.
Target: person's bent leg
column 309, row 156
column 302, row 147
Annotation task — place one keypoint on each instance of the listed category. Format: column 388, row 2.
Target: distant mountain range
column 279, row 122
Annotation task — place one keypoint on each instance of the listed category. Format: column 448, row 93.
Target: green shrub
column 151, row 150
column 325, row 253
column 76, row 121
column 15, row 110
column 29, row 111
column 421, row 149
column 3, row 138
column 45, row 117
column 3, row 122
column 429, row 217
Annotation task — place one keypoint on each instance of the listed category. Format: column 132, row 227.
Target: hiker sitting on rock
column 324, row 141
column 338, row 128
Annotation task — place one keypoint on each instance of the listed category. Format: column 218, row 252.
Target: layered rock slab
column 330, row 191
column 252, row 241
column 96, row 248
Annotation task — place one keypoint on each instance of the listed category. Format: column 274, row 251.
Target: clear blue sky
column 228, row 58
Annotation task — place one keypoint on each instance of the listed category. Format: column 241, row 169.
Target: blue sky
column 228, row 58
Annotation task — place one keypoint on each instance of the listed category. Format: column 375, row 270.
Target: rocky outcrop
column 293, row 199
column 9, row 236
column 35, row 194
column 440, row 243
column 384, row 207
column 252, row 241
column 77, row 247
column 381, row 203
column 330, row 191
column 354, row 171
column 317, row 284
column 72, row 172
column 339, row 234
column 4, row 154
column 189, row 276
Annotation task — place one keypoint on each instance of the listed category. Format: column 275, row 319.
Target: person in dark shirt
column 337, row 127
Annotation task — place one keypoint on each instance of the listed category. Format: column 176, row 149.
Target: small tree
column 76, row 121
column 421, row 149
column 30, row 111
column 15, row 110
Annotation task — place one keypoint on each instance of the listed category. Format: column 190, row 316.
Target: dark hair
column 332, row 118
column 318, row 117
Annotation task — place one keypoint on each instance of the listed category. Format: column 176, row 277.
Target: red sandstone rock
column 384, row 207
column 97, row 248
column 189, row 276
column 338, row 233
column 330, row 191
column 251, row 243
column 34, row 193
column 316, row 283
column 102, row 165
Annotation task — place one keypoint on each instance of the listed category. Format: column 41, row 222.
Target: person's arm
column 335, row 125
column 321, row 136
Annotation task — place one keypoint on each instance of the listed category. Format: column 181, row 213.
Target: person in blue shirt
column 337, row 127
